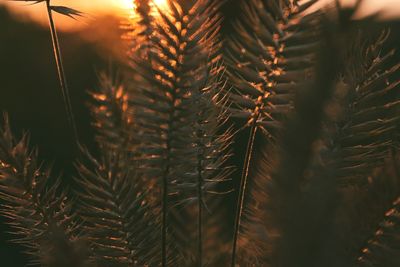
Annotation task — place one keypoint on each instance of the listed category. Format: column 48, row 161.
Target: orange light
column 161, row 3
column 127, row 4
column 130, row 4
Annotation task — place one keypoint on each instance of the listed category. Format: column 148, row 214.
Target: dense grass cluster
column 311, row 95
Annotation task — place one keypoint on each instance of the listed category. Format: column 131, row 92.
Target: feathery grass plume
column 34, row 206
column 366, row 144
column 289, row 212
column 271, row 55
column 369, row 130
column 201, row 186
column 324, row 180
column 332, row 159
column 120, row 225
column 112, row 196
column 383, row 248
column 72, row 13
column 182, row 51
column 142, row 27
column 370, row 202
column 112, row 118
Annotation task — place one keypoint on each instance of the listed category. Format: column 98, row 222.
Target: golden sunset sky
column 93, row 8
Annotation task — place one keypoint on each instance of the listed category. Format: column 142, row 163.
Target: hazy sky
column 91, row 8
column 389, row 8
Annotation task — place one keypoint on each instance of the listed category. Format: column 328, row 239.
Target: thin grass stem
column 61, row 75
column 165, row 204
column 200, row 183
column 242, row 189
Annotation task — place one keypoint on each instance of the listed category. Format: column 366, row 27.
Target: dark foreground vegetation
column 271, row 139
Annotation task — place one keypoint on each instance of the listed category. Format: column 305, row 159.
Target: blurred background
column 29, row 89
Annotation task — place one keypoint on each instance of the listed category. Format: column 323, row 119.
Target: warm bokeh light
column 161, row 3
column 127, row 4
column 96, row 8
column 130, row 4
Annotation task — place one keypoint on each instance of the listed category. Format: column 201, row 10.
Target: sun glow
column 161, row 3
column 389, row 8
column 128, row 4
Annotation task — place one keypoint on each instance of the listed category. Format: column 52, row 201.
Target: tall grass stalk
column 242, row 189
column 200, row 211
column 322, row 190
column 61, row 74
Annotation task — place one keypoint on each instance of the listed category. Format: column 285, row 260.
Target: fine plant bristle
column 270, row 58
column 176, row 115
column 312, row 93
column 118, row 221
column 110, row 111
column 34, row 204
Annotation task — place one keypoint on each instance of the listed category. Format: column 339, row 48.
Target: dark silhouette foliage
column 317, row 92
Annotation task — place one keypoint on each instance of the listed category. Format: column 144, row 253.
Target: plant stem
column 165, row 197
column 61, row 74
column 200, row 230
column 200, row 204
column 242, row 189
column 164, row 217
